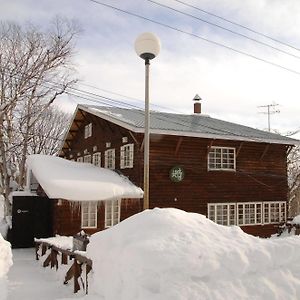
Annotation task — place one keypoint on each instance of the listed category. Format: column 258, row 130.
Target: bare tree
column 35, row 68
column 294, row 181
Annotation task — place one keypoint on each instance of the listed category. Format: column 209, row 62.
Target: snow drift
column 65, row 179
column 5, row 264
column 171, row 254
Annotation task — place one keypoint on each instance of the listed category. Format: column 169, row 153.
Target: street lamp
column 147, row 46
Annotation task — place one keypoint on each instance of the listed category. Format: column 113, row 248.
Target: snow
column 5, row 264
column 28, row 280
column 65, row 179
column 296, row 220
column 63, row 242
column 3, row 223
column 171, row 254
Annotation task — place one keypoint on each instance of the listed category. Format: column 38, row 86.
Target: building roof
column 194, row 125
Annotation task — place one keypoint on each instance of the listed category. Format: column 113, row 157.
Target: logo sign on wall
column 176, row 174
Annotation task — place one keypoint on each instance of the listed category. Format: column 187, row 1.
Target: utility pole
column 271, row 109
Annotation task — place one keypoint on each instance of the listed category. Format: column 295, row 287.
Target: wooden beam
column 289, row 149
column 239, row 149
column 142, row 145
column 265, row 151
column 133, row 137
column 178, row 145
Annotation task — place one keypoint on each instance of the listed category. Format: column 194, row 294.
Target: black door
column 31, row 218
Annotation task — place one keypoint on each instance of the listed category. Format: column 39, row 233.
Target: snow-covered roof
column 195, row 125
column 69, row 180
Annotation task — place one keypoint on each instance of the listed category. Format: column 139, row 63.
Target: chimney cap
column 197, row 98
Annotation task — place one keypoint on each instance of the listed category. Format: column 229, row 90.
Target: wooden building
column 73, row 197
column 233, row 174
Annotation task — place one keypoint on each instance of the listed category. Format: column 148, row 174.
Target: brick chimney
column 197, row 104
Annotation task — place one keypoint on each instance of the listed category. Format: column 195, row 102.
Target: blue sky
column 231, row 85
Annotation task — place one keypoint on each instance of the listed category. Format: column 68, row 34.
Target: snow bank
column 296, row 220
column 65, row 179
column 5, row 264
column 3, row 224
column 170, row 254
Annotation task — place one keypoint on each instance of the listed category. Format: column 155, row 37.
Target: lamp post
column 147, row 46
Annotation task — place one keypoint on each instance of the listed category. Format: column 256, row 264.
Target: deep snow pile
column 171, row 254
column 5, row 264
column 3, row 223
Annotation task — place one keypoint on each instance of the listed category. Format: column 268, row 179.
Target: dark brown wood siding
column 67, row 216
column 260, row 174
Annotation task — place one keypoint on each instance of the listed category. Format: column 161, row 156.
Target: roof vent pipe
column 197, row 104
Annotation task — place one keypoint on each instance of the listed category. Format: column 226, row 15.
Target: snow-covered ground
column 28, row 280
column 168, row 254
column 164, row 254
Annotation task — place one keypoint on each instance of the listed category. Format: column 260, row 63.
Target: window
column 109, row 159
column 274, row 212
column 80, row 159
column 221, row 158
column 97, row 159
column 248, row 213
column 124, row 139
column 223, row 214
column 112, row 213
column 126, row 156
column 87, row 158
column 89, row 214
column 88, row 130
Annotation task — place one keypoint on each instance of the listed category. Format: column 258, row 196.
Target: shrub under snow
column 171, row 254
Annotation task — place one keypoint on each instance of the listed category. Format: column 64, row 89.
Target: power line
column 224, row 28
column 112, row 102
column 128, row 97
column 237, row 24
column 196, row 36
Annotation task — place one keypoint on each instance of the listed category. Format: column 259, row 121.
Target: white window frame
column 215, row 214
column 263, row 208
column 126, row 156
column 244, row 222
column 212, row 152
column 87, row 159
column 110, row 219
column 88, row 130
column 110, row 159
column 97, row 159
column 267, row 218
column 92, row 208
column 80, row 159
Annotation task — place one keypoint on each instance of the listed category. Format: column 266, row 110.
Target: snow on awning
column 69, row 180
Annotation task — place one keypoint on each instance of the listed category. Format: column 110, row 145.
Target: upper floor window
column 126, row 156
column 88, row 130
column 97, row 159
column 89, row 214
column 112, row 213
column 221, row 158
column 109, row 159
column 87, row 158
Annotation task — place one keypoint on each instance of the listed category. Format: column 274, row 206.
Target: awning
column 69, row 180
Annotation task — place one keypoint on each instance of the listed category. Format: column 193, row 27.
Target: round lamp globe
column 147, row 45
